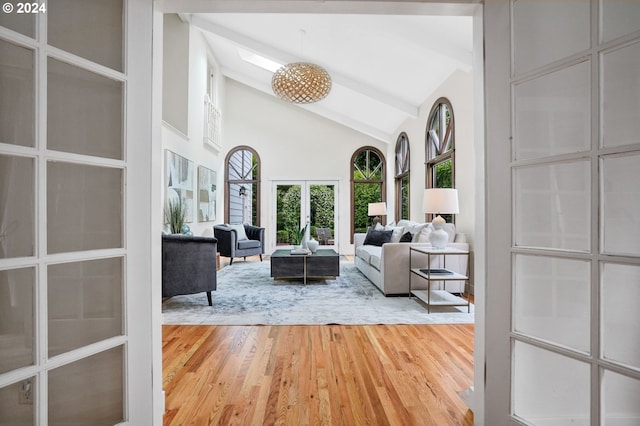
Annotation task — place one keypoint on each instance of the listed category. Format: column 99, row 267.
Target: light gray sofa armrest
column 358, row 240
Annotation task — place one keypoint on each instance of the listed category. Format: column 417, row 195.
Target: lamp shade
column 301, row 83
column 377, row 209
column 440, row 200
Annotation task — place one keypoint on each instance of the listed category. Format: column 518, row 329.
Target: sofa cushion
column 363, row 253
column 377, row 238
column 375, row 260
column 423, row 237
column 239, row 228
column 398, row 231
column 406, row 237
column 247, row 244
column 369, row 253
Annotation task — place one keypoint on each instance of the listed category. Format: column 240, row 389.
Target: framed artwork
column 179, row 181
column 206, row 194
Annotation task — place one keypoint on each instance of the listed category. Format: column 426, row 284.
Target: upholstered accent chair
column 188, row 265
column 239, row 240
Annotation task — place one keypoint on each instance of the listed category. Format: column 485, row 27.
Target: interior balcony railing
column 212, row 121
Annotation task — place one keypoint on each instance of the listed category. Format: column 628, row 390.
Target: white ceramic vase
column 313, row 245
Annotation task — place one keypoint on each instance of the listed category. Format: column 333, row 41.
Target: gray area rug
column 247, row 295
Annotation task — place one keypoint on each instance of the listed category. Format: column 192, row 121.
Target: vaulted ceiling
column 383, row 66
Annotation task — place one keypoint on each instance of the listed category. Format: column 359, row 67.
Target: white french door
column 563, row 166
column 75, row 143
column 296, row 203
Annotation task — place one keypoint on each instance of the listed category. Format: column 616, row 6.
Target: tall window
column 367, row 185
column 242, row 183
column 402, row 177
column 440, row 148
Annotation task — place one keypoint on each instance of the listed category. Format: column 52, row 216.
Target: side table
column 438, row 297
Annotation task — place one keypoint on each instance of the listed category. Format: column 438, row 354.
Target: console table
column 427, row 272
column 321, row 264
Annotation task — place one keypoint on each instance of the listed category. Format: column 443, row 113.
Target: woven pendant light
column 301, row 83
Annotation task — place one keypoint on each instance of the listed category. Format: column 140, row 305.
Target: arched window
column 242, row 183
column 367, row 185
column 440, row 148
column 402, row 177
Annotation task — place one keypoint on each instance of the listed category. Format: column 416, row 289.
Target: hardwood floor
column 317, row 375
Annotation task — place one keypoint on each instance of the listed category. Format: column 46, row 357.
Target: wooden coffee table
column 323, row 263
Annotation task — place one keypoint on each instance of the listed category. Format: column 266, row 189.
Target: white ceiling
column 383, row 66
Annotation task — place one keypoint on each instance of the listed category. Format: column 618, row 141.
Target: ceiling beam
column 285, row 58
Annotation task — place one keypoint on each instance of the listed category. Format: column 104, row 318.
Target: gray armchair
column 188, row 265
column 230, row 245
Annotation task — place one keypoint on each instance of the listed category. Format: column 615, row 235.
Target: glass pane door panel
column 23, row 23
column 85, row 303
column 552, row 300
column 546, row 31
column 552, row 206
column 84, row 207
column 17, row 211
column 13, row 410
column 620, row 292
column 17, row 323
column 84, row 112
column 549, row 389
column 322, row 213
column 289, row 213
column 91, row 29
column 620, row 405
column 620, row 102
column 620, row 205
column 553, row 113
column 89, row 391
column 17, row 102
column 619, row 18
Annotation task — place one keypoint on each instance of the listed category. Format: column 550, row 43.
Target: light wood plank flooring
column 317, row 375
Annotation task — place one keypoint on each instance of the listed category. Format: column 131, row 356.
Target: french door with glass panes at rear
column 298, row 203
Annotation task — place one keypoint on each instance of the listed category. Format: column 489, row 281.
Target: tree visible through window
column 367, row 185
column 402, row 177
column 440, row 141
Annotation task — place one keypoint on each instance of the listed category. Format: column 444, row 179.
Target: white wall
column 293, row 144
column 459, row 90
column 191, row 145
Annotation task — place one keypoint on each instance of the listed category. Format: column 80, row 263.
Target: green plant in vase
column 298, row 234
column 174, row 215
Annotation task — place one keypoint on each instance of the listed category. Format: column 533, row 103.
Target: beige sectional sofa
column 387, row 266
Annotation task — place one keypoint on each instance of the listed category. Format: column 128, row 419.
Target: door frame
column 304, row 208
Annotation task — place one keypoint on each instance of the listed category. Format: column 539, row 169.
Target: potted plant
column 299, row 234
column 174, row 215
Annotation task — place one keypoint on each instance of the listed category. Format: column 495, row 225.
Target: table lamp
column 377, row 210
column 440, row 201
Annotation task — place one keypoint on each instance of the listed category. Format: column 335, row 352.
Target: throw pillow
column 240, row 232
column 406, row 237
column 397, row 233
column 418, row 229
column 423, row 237
column 377, row 238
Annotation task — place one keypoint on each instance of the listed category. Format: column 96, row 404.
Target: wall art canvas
column 206, row 194
column 179, row 181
